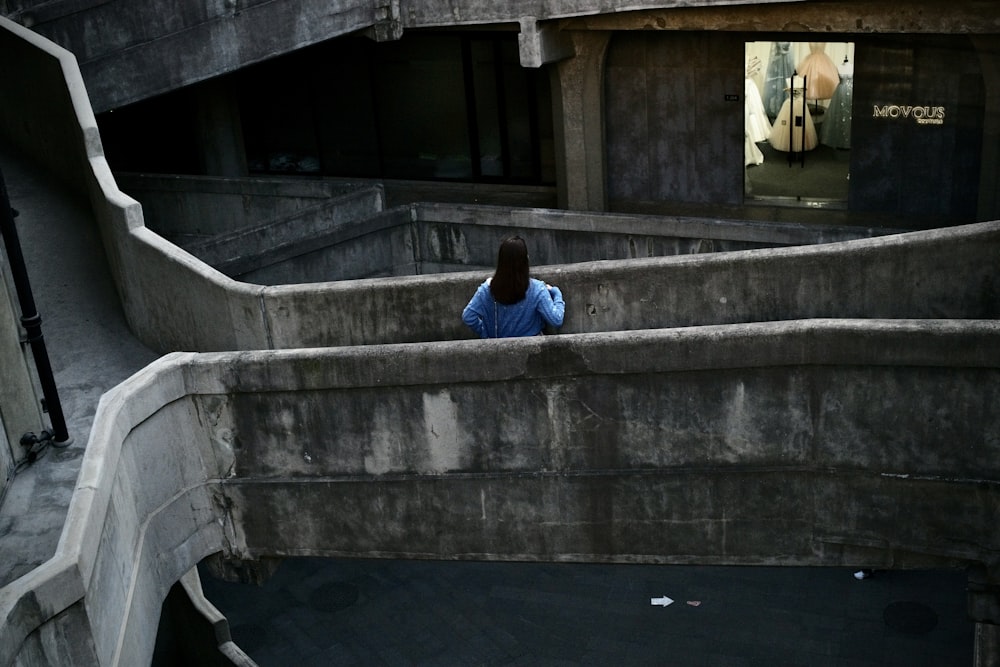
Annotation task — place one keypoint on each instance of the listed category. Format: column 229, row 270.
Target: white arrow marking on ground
column 661, row 602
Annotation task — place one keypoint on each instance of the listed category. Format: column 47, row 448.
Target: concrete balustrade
column 174, row 301
column 800, row 443
column 280, row 231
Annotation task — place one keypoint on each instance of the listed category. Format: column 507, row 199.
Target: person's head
column 510, row 281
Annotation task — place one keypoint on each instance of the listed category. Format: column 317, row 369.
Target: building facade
column 585, row 108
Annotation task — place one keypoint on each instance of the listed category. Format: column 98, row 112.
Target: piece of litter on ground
column 661, row 602
column 694, row 603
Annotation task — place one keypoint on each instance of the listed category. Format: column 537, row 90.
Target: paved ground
column 316, row 612
column 429, row 613
column 88, row 343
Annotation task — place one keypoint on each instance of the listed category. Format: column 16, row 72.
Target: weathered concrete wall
column 430, row 238
column 130, row 51
column 380, row 246
column 935, row 274
column 773, row 443
column 142, row 509
column 20, row 407
column 280, row 241
column 335, row 230
column 792, row 443
column 187, row 210
column 671, row 133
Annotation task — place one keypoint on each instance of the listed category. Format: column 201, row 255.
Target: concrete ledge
column 410, row 451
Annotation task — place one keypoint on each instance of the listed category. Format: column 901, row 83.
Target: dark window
column 157, row 135
column 435, row 107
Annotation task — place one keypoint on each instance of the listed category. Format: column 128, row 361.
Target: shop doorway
column 798, row 109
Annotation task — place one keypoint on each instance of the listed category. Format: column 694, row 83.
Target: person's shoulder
column 536, row 287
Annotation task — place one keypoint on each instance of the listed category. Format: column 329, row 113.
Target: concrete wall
column 746, row 444
column 671, row 133
column 775, row 443
column 20, row 407
column 134, row 50
column 430, row 238
column 281, row 241
column 141, row 510
column 53, row 124
column 935, row 274
column 188, row 210
column 46, row 113
column 286, row 231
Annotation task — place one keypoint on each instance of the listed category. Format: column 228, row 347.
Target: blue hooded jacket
column 491, row 319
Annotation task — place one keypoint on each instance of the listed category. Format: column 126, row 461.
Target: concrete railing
column 948, row 273
column 142, row 509
column 284, row 231
column 286, row 240
column 194, row 209
column 799, row 443
column 173, row 301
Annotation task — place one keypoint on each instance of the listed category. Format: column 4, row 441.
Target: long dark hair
column 510, row 281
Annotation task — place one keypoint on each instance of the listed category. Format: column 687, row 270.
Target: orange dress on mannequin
column 820, row 72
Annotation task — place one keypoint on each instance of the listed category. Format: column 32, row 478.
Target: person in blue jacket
column 511, row 303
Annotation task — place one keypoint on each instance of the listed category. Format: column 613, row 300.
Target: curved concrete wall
column 175, row 302
column 142, row 509
column 793, row 443
column 272, row 231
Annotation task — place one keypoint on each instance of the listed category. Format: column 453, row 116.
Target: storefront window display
column 798, row 105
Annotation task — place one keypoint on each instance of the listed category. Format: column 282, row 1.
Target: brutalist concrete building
column 775, row 224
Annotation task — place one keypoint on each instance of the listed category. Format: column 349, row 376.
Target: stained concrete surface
column 315, row 612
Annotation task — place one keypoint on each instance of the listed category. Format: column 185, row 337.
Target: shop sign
column 922, row 115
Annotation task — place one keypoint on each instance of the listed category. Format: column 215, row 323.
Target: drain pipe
column 32, row 324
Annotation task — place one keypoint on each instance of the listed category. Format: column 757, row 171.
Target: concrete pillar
column 988, row 48
column 220, row 132
column 541, row 43
column 578, row 115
